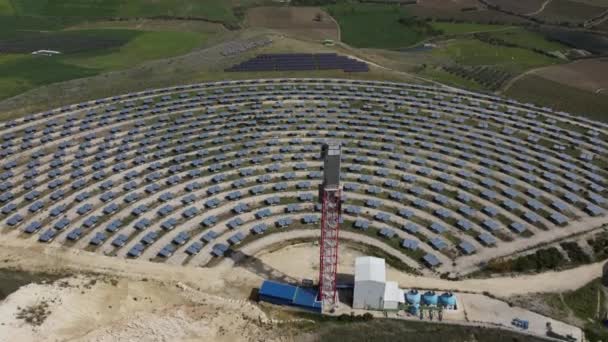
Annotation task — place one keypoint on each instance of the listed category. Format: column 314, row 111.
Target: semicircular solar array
column 184, row 173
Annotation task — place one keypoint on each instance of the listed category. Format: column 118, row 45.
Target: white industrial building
column 393, row 295
column 372, row 291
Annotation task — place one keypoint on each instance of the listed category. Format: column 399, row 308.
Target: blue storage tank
column 412, row 297
column 430, row 298
column 447, row 300
column 414, row 309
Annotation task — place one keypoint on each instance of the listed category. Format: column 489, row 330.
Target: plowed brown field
column 590, row 75
column 299, row 22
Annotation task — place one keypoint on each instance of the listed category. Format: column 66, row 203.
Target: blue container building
column 285, row 294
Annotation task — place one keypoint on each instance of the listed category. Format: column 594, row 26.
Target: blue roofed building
column 285, row 294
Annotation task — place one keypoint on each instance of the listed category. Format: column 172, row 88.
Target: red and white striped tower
column 330, row 195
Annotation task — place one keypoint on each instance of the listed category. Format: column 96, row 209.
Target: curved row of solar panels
column 300, row 61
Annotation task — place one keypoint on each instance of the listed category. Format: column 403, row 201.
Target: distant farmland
column 378, row 26
column 298, row 21
column 519, row 6
column 544, row 92
column 571, row 11
column 589, row 75
column 84, row 53
column 594, row 43
column 216, row 10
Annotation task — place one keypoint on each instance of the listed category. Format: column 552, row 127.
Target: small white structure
column 393, row 295
column 46, row 53
column 370, row 278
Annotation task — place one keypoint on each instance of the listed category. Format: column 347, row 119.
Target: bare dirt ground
column 304, row 257
column 501, row 286
column 590, row 75
column 92, row 308
column 130, row 300
column 484, row 309
column 300, row 22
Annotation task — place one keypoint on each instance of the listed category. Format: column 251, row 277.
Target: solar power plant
column 300, row 61
column 238, row 47
column 186, row 174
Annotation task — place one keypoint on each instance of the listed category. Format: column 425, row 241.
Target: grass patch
column 528, row 39
column 216, row 10
column 379, row 26
column 145, row 46
column 106, row 50
column 555, row 301
column 543, row 92
column 469, row 51
column 465, row 28
column 584, row 301
column 6, row 8
column 23, row 72
column 14, row 27
column 67, row 42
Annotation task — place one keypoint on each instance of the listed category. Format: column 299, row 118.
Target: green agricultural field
column 86, row 53
column 13, row 27
column 445, row 77
column 528, row 39
column 465, row 28
column 217, row 10
column 143, row 47
column 544, row 92
column 469, row 51
column 378, row 26
column 19, row 73
column 6, row 8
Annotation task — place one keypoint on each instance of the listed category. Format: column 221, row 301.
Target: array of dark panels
column 300, row 62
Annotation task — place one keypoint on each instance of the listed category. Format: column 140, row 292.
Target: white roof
column 370, row 269
column 392, row 292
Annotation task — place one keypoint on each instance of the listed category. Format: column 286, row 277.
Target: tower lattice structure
column 330, row 194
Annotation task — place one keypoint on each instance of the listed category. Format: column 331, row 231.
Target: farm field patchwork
column 594, row 43
column 526, row 39
column 463, row 28
column 378, row 26
column 567, row 10
column 23, row 72
column 217, row 10
column 602, row 3
column 455, row 11
column 544, row 92
column 305, row 22
column 84, row 53
column 522, row 7
column 589, row 75
column 469, row 51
